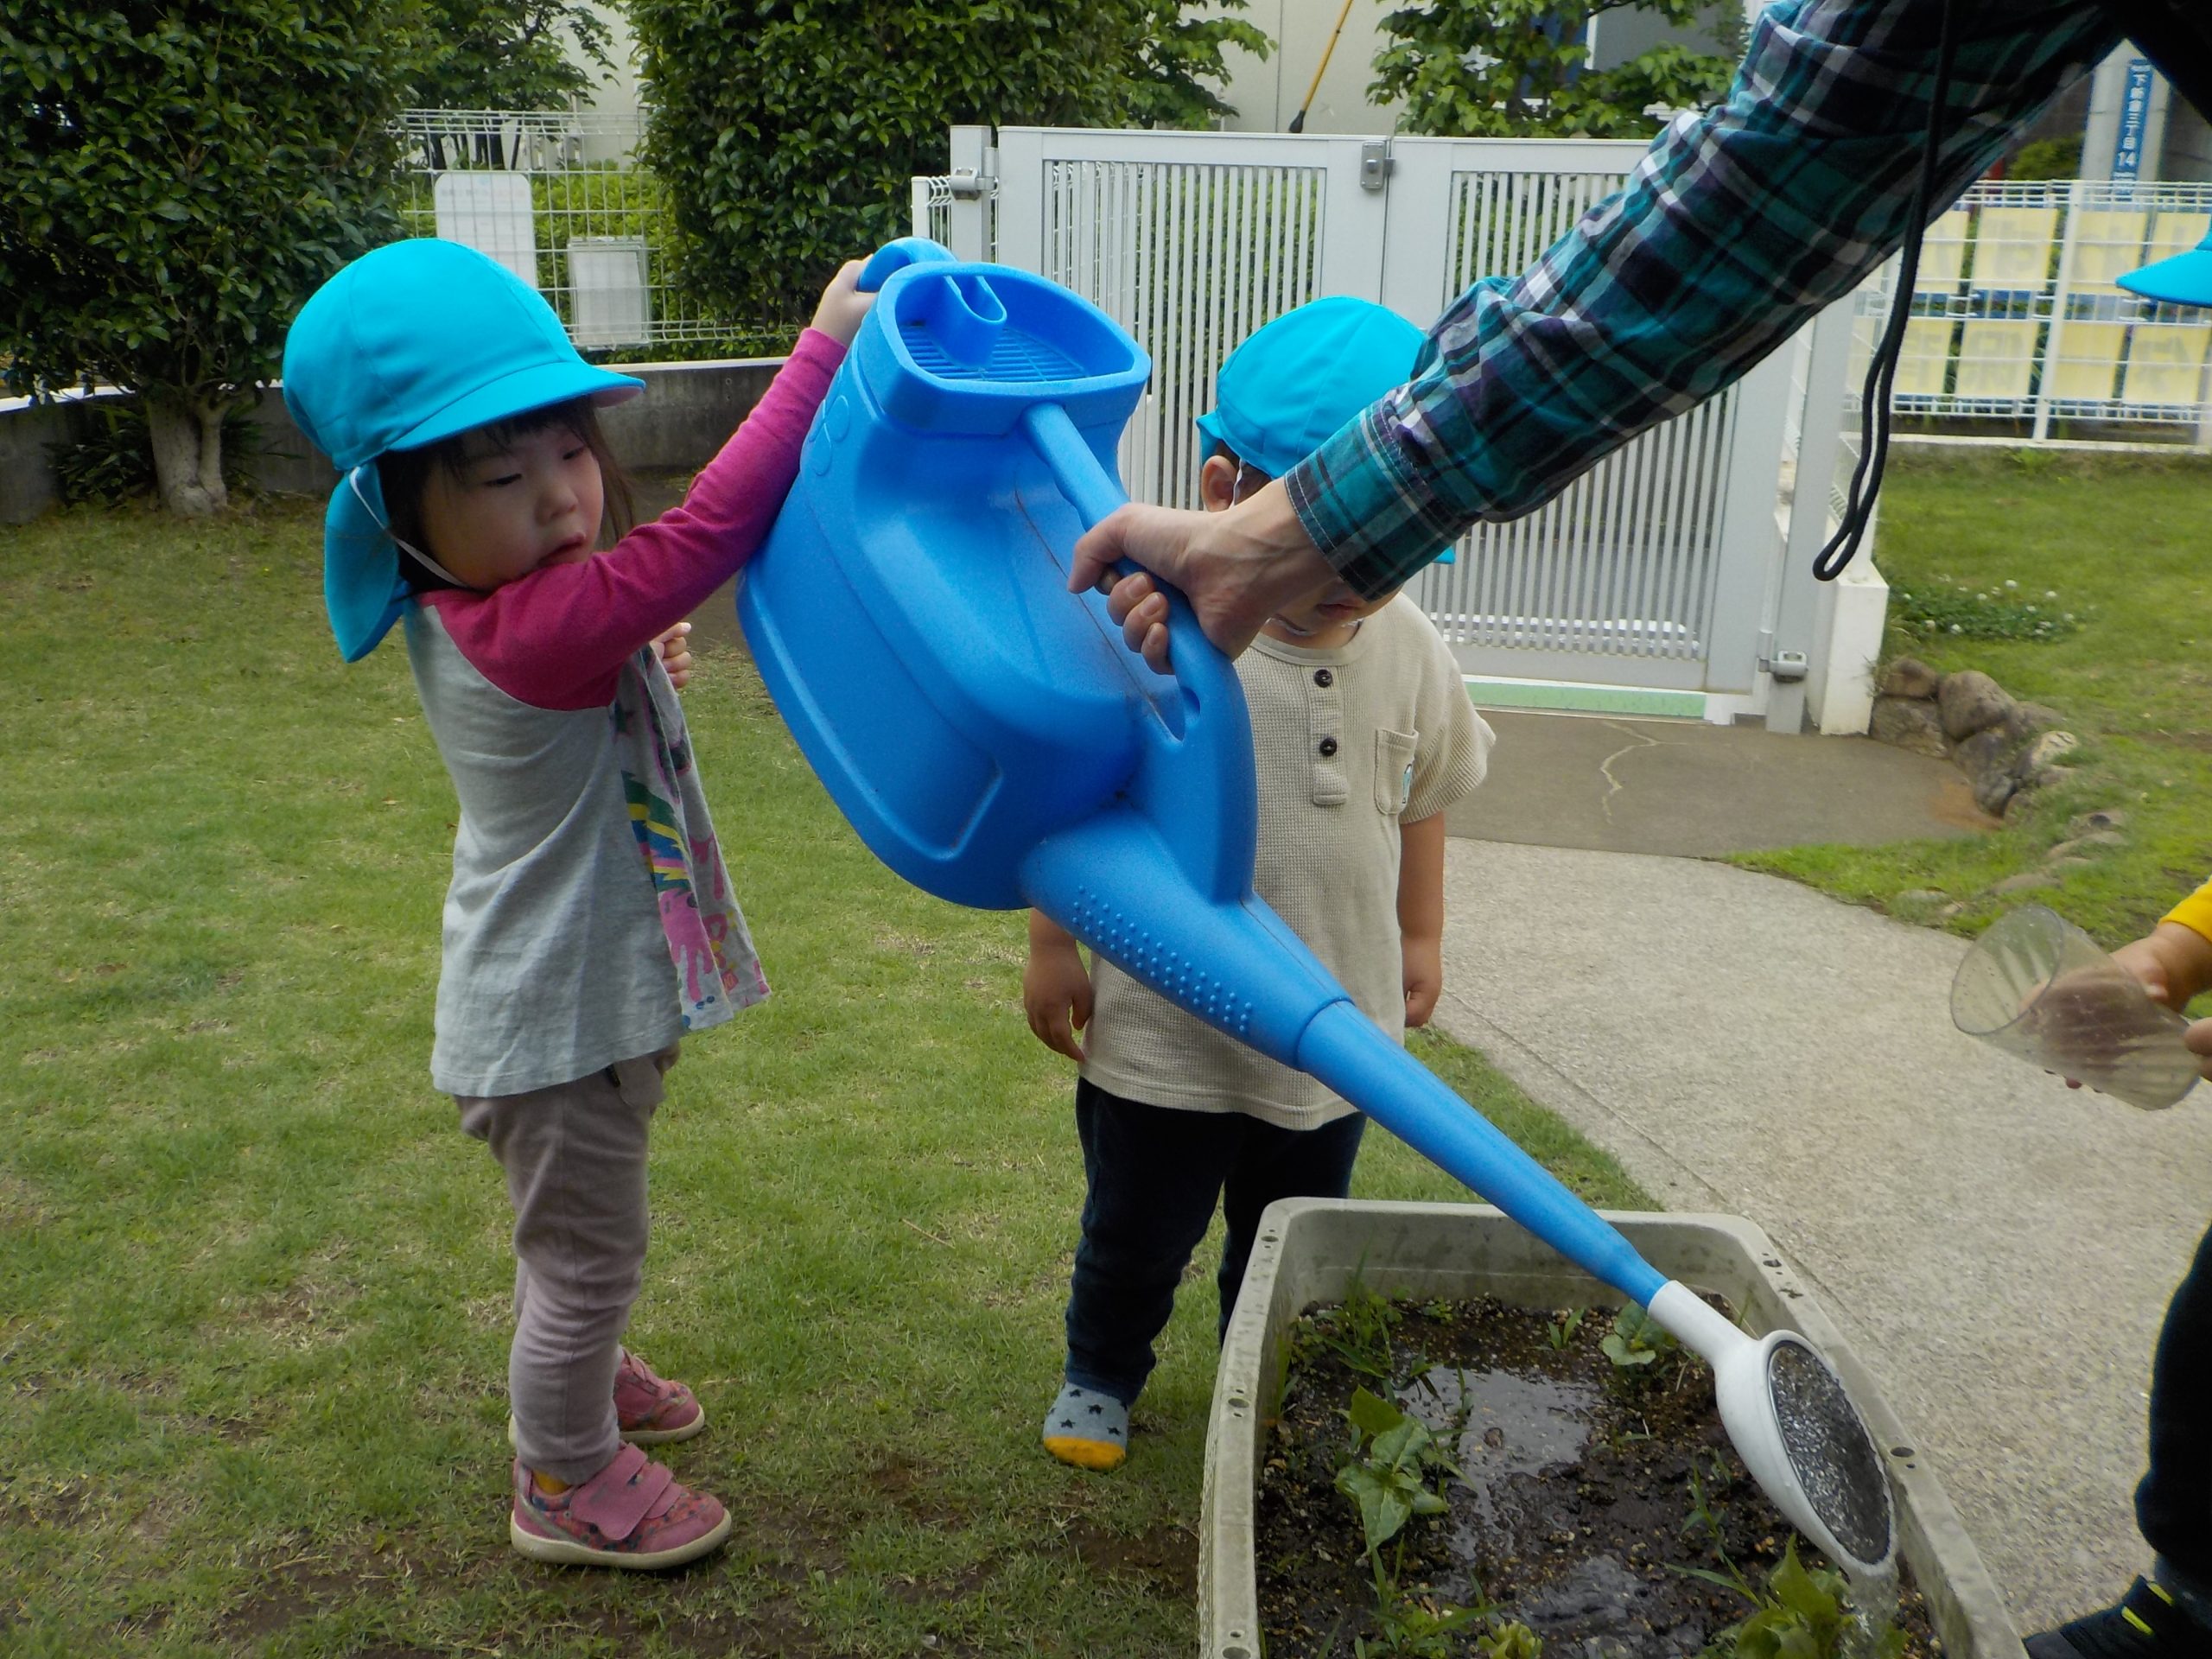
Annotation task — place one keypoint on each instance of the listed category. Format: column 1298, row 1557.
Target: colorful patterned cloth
column 717, row 971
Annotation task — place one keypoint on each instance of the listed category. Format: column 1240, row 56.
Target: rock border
column 2004, row 746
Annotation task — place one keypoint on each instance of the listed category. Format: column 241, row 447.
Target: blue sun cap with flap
column 412, row 343
column 2185, row 279
column 1294, row 382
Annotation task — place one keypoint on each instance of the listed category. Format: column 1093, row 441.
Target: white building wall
column 617, row 93
column 1266, row 95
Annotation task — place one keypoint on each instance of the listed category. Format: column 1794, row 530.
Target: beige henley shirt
column 1350, row 743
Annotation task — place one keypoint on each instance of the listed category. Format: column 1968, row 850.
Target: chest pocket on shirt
column 1394, row 769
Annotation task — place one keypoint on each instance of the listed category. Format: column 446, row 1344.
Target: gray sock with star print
column 1087, row 1428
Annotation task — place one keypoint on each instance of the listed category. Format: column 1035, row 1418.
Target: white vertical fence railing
column 1659, row 571
column 1627, row 562
column 1189, row 249
column 1838, row 624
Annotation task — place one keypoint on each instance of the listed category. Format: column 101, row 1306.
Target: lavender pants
column 575, row 1156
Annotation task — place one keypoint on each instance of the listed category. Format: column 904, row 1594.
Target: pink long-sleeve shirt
column 555, row 638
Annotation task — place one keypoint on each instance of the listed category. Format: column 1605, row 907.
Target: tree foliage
column 1516, row 68
column 507, row 55
column 2046, row 158
column 787, row 128
column 174, row 182
column 1178, row 55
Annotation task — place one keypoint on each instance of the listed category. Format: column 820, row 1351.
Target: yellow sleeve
column 2194, row 912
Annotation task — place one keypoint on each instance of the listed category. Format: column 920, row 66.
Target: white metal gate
column 1662, row 569
column 1630, row 564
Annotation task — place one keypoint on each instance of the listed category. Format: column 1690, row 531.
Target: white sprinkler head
column 1794, row 1426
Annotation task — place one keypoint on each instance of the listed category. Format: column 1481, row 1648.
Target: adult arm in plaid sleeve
column 1736, row 228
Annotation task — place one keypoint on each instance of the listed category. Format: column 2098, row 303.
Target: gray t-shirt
column 589, row 919
column 1349, row 745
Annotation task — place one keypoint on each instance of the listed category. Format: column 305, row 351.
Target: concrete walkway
column 1998, row 1249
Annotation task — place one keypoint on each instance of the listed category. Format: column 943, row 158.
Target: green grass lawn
column 2126, row 543
column 253, row 1280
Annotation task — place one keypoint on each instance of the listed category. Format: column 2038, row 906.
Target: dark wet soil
column 1585, row 1487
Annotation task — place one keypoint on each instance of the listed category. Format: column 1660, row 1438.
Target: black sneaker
column 2147, row 1624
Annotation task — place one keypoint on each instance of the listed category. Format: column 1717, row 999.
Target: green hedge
column 787, row 130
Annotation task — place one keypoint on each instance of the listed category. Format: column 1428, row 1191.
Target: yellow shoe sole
column 1100, row 1455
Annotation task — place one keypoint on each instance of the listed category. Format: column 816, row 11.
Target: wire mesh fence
column 931, row 199
column 560, row 199
column 2019, row 326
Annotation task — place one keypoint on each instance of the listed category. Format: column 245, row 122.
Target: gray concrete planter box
column 1309, row 1251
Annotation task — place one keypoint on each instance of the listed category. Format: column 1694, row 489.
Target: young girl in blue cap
column 1361, row 735
column 590, row 920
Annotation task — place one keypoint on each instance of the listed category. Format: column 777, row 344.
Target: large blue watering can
column 995, row 742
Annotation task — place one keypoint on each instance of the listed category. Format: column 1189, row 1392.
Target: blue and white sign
column 2134, row 119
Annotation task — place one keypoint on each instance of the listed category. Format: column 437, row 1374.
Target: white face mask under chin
column 353, row 482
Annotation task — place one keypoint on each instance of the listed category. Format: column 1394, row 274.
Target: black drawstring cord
column 1881, row 373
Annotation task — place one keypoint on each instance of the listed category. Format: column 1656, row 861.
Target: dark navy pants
column 1153, row 1176
column 2173, row 1506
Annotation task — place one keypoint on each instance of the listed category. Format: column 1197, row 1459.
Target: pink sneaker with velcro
column 649, row 1409
column 632, row 1514
column 652, row 1410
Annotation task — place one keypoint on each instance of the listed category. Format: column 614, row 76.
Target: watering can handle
column 1202, row 673
column 896, row 255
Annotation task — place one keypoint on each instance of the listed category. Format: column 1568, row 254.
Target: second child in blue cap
column 589, row 923
column 1362, row 735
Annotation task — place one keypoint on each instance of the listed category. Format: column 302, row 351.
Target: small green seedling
column 1357, row 1330
column 1419, row 1629
column 1421, row 1379
column 1510, row 1639
column 1706, row 1511
column 1387, row 1474
column 1637, row 1342
column 1802, row 1614
column 1561, row 1330
column 1706, row 1515
column 1393, row 1458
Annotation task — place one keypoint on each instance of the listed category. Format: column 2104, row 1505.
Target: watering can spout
column 1350, row 1053
column 1114, row 883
